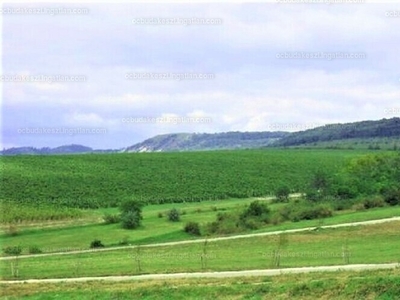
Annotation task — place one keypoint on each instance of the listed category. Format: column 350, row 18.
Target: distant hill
column 382, row 134
column 332, row 133
column 67, row 149
column 206, row 141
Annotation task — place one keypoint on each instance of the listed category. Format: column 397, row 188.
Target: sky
column 108, row 76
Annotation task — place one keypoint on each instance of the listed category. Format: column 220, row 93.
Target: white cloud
column 251, row 89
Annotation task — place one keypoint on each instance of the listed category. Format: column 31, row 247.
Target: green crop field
column 55, row 204
column 93, row 181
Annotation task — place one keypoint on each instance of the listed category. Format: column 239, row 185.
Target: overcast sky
column 251, row 85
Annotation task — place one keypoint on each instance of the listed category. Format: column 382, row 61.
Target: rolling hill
column 366, row 132
column 206, row 141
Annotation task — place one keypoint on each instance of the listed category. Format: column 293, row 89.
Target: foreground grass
column 158, row 230
column 379, row 243
column 379, row 284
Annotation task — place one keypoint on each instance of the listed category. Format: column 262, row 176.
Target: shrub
column 13, row 250
column 313, row 195
column 392, row 197
column 229, row 226
column 285, row 212
column 314, row 212
column 96, row 244
column 342, row 204
column 346, row 192
column 374, row 202
column 131, row 214
column 131, row 219
column 160, row 215
column 192, row 228
column 174, row 215
column 251, row 224
column 256, row 209
column 131, row 205
column 111, row 219
column 276, row 219
column 305, row 212
column 358, row 207
column 282, row 194
column 124, row 241
column 34, row 250
column 12, row 230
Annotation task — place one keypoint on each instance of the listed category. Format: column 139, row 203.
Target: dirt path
column 227, row 274
column 371, row 222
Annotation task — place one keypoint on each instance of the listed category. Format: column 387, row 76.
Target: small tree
column 282, row 194
column 137, row 258
column 174, row 215
column 276, row 254
column 131, row 214
column 256, row 209
column 203, row 256
column 131, row 219
column 319, row 186
column 16, row 251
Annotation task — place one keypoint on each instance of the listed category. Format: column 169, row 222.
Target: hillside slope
column 385, row 128
column 206, row 141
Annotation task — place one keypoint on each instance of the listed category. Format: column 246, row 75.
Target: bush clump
column 111, row 218
column 131, row 214
column 374, row 202
column 96, row 244
column 34, row 250
column 392, row 197
column 252, row 217
column 12, row 250
column 131, row 220
column 174, row 215
column 300, row 212
column 192, row 228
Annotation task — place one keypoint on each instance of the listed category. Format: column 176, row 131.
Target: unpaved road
column 227, row 274
column 371, row 222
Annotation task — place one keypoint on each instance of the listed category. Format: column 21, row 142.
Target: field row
column 93, row 181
